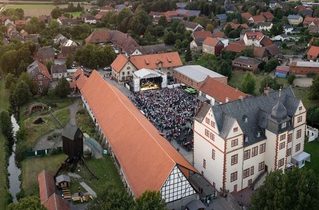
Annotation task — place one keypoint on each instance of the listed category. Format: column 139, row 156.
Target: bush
column 291, row 79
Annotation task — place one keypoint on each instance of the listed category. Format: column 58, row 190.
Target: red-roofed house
column 257, row 19
column 253, row 38
column 145, row 159
column 311, row 21
column 313, row 53
column 218, row 92
column 48, row 197
column 246, row 16
column 268, row 16
column 123, row 66
column 235, row 47
column 198, row 39
column 212, row 46
column 40, row 76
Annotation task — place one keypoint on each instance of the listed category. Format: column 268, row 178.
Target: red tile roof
column 211, row 41
column 259, row 52
column 254, row 35
column 236, row 47
column 46, row 185
column 313, row 52
column 44, row 70
column 266, row 41
column 268, row 15
column 119, row 62
column 98, row 36
column 219, row 34
column 145, row 157
column 55, row 202
column 151, row 61
column 219, row 91
column 246, row 15
column 258, row 18
column 202, row 34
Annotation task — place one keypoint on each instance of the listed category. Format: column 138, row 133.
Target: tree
column 34, row 26
column 296, row 189
column 21, row 94
column 24, row 76
column 314, row 89
column 162, row 21
column 313, row 116
column 291, row 79
column 268, row 82
column 248, row 84
column 169, row 38
column 225, row 68
column 150, row 200
column 271, row 65
column 277, row 29
column 69, row 61
column 27, row 203
column 10, row 80
column 63, row 88
column 56, row 12
column 209, row 27
column 6, row 127
column 113, row 199
column 188, row 55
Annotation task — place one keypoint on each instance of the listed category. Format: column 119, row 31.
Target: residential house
column 40, row 76
column 64, row 21
column 121, row 42
column 89, row 19
column 153, row 49
column 212, row 46
column 313, row 53
column 282, row 71
column 265, row 26
column 246, row 16
column 198, row 39
column 295, row 19
column 304, row 67
column 59, row 39
column 274, row 4
column 178, row 14
column 58, row 71
column 246, row 63
column 253, row 38
column 236, row 144
column 221, row 18
column 8, row 22
column 218, row 34
column 235, row 26
column 268, row 16
column 141, row 153
column 235, row 47
column 218, row 92
column 45, row 54
column 124, row 66
column 313, row 29
column 195, row 75
column 192, row 26
column 20, row 23
column 304, row 10
column 100, row 15
column 260, row 53
column 256, row 19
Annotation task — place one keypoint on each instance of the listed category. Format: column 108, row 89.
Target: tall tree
column 21, row 94
column 27, row 203
column 296, row 189
column 314, row 89
column 10, row 80
column 150, row 200
column 268, row 82
column 62, row 89
column 248, row 84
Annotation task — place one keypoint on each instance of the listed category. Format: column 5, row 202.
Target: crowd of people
column 170, row 110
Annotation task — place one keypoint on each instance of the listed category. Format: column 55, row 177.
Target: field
column 4, row 104
column 34, row 9
column 313, row 149
column 31, row 167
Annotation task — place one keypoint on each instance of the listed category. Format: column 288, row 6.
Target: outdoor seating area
column 171, row 111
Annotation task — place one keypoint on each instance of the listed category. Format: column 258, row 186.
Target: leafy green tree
column 63, row 88
column 268, row 82
column 162, row 21
column 271, row 65
column 56, row 12
column 291, row 79
column 296, row 189
column 248, row 84
column 225, row 68
column 27, row 203
column 313, row 116
column 24, row 76
column 150, row 200
column 34, row 26
column 21, row 94
column 6, row 127
column 169, row 38
column 314, row 89
column 69, row 61
column 277, row 29
column 188, row 55
column 10, row 80
column 113, row 199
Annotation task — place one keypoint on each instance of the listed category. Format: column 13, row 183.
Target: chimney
column 241, row 98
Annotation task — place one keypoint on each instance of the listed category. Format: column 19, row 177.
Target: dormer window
column 258, row 134
column 246, row 139
column 245, row 118
column 283, row 125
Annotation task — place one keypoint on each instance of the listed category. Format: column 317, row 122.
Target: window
column 298, row 133
column 128, row 68
column 281, row 162
column 297, row 147
column 247, row 154
column 234, row 159
column 246, row 173
column 262, row 148
column 235, row 129
column 212, row 124
column 261, row 166
column 234, row 142
column 254, row 151
column 283, row 125
column 289, row 138
column 288, row 152
column 213, row 154
column 204, row 163
column 206, row 133
column 252, row 170
column 300, row 108
column 233, row 176
column 299, row 119
column 207, row 120
column 212, row 136
column 282, row 145
column 282, row 137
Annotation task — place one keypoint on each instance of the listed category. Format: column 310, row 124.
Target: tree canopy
column 248, row 84
column 314, row 89
column 62, row 89
column 27, row 203
column 296, row 189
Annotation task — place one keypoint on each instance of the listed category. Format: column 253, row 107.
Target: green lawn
column 35, row 9
column 313, row 149
column 31, row 167
column 85, row 123
column 4, row 104
column 106, row 172
column 35, row 131
column 75, row 14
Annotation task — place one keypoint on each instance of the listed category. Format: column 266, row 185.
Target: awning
column 301, row 156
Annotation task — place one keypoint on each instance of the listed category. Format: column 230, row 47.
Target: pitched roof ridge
column 115, row 91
